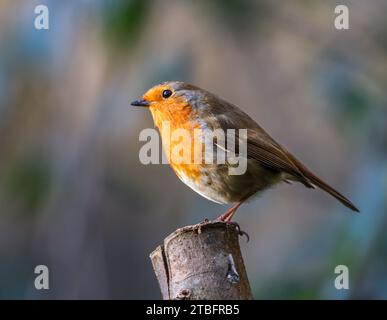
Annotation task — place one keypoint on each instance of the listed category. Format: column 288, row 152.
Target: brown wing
column 260, row 146
column 264, row 149
column 271, row 155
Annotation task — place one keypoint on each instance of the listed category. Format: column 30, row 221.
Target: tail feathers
column 324, row 186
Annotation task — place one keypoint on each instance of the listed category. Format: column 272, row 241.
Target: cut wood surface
column 202, row 261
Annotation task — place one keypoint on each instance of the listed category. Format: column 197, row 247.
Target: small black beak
column 140, row 103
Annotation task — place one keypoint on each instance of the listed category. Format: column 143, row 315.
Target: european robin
column 185, row 106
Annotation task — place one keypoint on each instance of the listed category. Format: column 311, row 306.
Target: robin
column 185, row 106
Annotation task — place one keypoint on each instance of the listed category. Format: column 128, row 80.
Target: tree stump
column 201, row 262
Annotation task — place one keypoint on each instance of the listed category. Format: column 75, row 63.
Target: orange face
column 166, row 105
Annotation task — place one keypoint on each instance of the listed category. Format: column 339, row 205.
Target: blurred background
column 75, row 197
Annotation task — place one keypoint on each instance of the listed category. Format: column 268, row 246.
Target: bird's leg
column 227, row 216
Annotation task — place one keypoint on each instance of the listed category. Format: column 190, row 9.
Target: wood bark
column 199, row 262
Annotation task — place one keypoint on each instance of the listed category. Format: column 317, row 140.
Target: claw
column 244, row 233
column 241, row 232
column 237, row 226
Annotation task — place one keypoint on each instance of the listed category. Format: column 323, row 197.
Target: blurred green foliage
column 27, row 183
column 124, row 20
column 239, row 16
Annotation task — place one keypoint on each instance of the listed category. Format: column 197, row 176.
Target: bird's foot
column 240, row 231
column 237, row 226
column 199, row 226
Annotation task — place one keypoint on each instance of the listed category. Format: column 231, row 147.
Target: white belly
column 203, row 187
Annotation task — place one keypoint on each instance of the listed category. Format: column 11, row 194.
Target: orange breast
column 177, row 123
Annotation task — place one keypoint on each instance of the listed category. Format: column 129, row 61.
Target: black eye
column 167, row 93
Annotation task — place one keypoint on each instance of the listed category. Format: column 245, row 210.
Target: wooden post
column 199, row 262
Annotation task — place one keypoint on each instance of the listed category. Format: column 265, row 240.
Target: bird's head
column 169, row 97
